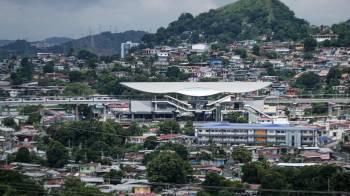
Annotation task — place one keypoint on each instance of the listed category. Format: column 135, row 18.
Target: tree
column 168, row 168
column 319, row 109
column 241, row 52
column 341, row 182
column 70, row 52
column 308, row 80
column 179, row 149
column 252, row 172
column 203, row 193
column 86, row 55
column 241, row 155
column 4, row 93
column 73, row 187
column 33, row 113
column 214, row 179
column 75, row 76
column 310, row 44
column 114, row 176
column 24, row 74
column 78, row 89
column 150, row 143
column 256, row 50
column 23, row 155
column 91, row 137
column 135, row 129
column 188, row 128
column 175, row 74
column 273, row 180
column 57, row 154
column 27, row 69
column 169, row 126
column 34, row 118
column 270, row 71
column 9, row 122
column 225, row 192
column 308, row 56
column 236, row 117
column 16, row 79
column 204, row 156
column 14, row 183
column 271, row 54
column 49, row 67
column 333, row 77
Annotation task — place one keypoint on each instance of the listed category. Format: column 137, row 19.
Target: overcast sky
column 39, row 19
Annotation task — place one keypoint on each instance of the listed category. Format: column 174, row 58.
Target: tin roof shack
column 315, row 154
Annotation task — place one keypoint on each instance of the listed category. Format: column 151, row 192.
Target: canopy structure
column 197, row 89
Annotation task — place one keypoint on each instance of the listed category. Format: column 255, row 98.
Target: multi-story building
column 125, row 47
column 256, row 134
column 195, row 103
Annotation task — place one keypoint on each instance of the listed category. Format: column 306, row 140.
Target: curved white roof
column 196, row 89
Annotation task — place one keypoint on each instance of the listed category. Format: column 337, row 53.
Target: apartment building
column 256, row 134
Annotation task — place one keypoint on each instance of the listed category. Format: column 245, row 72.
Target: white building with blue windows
column 256, row 134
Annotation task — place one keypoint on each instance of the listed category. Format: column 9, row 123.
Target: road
column 306, row 100
column 59, row 100
column 115, row 99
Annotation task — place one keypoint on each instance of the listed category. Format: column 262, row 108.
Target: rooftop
column 196, row 89
column 252, row 126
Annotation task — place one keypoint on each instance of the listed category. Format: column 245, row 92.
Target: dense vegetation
column 168, row 167
column 88, row 139
column 311, row 178
column 343, row 31
column 104, row 44
column 245, row 19
column 13, row 183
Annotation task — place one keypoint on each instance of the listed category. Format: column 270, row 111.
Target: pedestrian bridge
column 95, row 100
column 59, row 100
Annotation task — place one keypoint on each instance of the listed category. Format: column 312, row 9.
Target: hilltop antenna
column 99, row 28
column 115, row 29
column 91, row 38
column 92, row 44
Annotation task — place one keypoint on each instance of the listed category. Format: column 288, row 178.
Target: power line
column 218, row 187
column 83, row 130
column 20, row 186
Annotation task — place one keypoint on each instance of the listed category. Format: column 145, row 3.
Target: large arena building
column 197, row 101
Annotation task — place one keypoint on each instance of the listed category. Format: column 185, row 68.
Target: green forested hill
column 244, row 19
column 343, row 31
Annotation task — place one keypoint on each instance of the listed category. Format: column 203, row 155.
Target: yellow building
column 142, row 189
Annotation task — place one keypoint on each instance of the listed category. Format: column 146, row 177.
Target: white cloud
column 38, row 19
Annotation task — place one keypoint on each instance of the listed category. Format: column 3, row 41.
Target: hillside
column 103, row 44
column 5, row 42
column 19, row 47
column 343, row 31
column 56, row 40
column 244, row 19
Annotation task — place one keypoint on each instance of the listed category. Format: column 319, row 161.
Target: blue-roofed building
column 256, row 134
